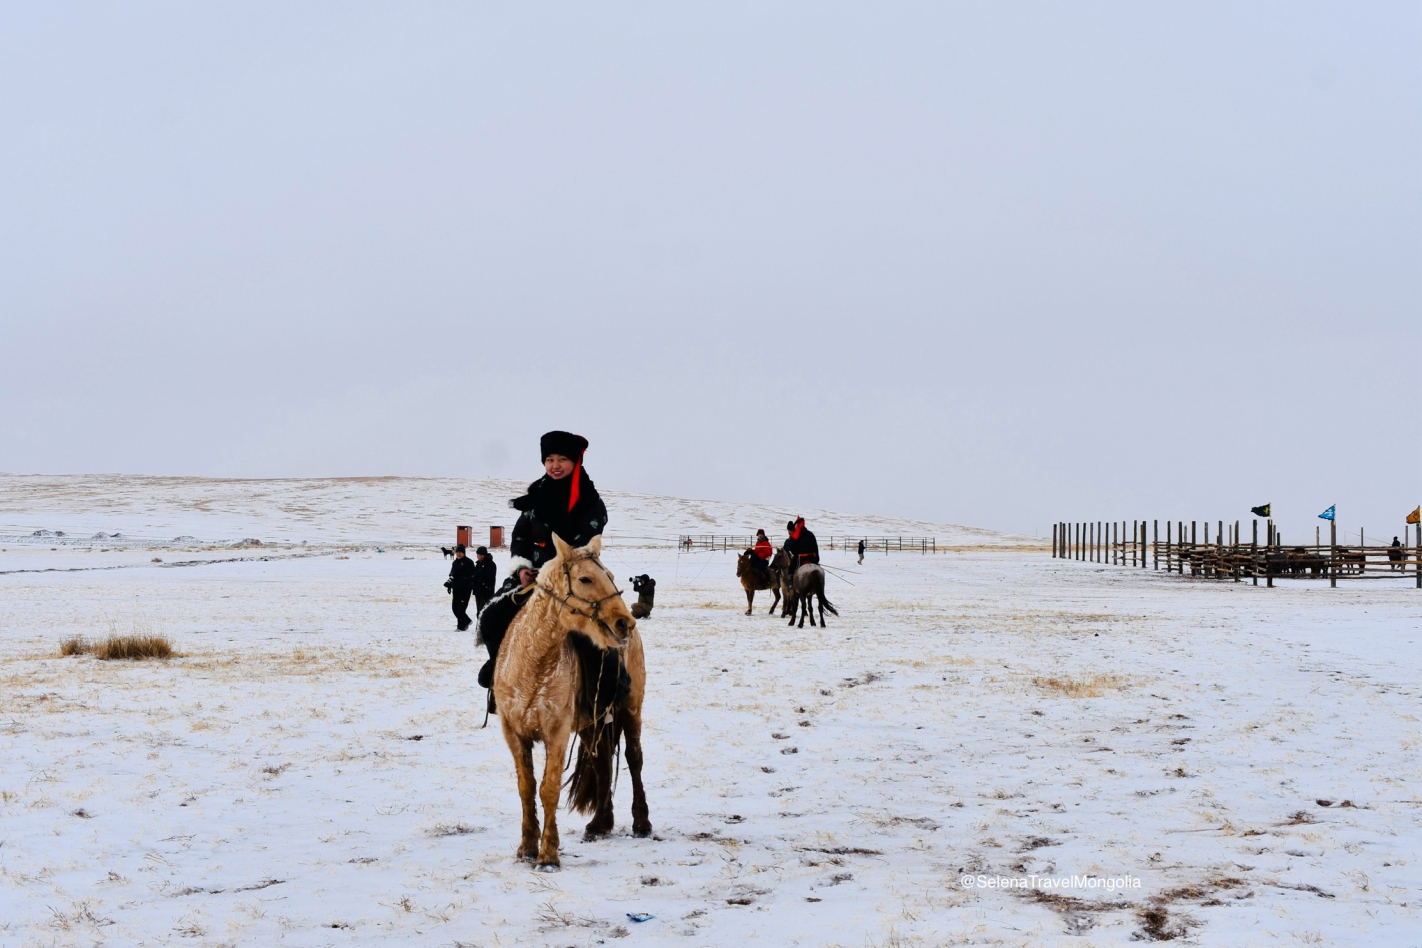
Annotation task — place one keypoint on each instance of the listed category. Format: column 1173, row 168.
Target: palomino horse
column 810, row 581
column 538, row 681
column 753, row 579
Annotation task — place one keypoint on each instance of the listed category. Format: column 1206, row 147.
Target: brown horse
column 810, row 581
column 753, row 579
column 538, row 681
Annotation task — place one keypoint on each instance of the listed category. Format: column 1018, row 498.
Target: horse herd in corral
column 794, row 587
column 1298, row 562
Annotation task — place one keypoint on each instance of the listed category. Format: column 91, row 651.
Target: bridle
column 594, row 605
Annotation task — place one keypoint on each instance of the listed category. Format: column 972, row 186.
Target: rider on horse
column 562, row 501
column 763, row 552
column 802, row 545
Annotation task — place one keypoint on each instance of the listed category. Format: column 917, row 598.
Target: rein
column 595, row 605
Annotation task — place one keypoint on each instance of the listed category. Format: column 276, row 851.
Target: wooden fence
column 1139, row 543
column 706, row 543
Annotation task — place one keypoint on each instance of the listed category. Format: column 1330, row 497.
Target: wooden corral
column 706, row 543
column 1140, row 544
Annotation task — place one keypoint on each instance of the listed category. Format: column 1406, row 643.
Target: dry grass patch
column 118, row 647
column 1092, row 687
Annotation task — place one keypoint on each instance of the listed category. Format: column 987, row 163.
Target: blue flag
column 1327, row 514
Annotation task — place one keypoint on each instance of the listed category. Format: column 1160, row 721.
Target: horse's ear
column 562, row 548
column 595, row 544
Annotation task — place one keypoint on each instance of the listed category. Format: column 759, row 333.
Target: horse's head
column 591, row 602
column 743, row 562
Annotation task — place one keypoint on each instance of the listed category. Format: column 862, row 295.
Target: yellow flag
column 1415, row 516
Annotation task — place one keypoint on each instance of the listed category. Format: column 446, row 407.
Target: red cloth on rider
column 763, row 549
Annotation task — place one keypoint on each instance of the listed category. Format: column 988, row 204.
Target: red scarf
column 573, row 490
column 799, row 525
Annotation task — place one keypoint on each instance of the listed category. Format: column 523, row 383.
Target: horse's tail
column 827, row 604
column 583, row 790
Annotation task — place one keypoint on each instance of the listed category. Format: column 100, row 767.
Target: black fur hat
column 562, row 442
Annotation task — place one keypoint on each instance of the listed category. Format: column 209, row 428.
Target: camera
column 643, row 583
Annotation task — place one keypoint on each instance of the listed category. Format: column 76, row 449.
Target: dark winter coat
column 485, row 572
column 804, row 547
column 461, row 574
column 544, row 512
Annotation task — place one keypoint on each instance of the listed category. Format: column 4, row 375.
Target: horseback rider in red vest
column 763, row 552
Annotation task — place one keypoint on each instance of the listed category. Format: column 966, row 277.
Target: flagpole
column 1333, row 555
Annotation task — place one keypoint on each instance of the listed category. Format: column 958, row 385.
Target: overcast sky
column 998, row 264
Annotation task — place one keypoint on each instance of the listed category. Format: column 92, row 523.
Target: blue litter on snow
column 640, row 916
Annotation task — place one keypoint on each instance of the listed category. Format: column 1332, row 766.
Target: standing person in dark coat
column 861, row 552
column 485, row 573
column 461, row 584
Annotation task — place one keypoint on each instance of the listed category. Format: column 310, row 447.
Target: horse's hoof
column 642, row 831
column 547, row 867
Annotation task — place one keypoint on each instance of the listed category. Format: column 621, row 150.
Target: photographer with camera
column 646, row 589
column 461, row 586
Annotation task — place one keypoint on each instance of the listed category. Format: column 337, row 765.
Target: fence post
column 1419, row 556
column 1155, row 542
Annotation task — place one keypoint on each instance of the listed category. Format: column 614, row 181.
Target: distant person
column 803, row 546
column 1394, row 554
column 485, row 574
column 461, row 586
column 861, row 552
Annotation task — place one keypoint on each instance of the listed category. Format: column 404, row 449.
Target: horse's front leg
column 522, row 751
column 776, row 590
column 557, row 746
column 750, row 600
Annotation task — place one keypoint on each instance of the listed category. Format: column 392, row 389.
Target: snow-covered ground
column 311, row 771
